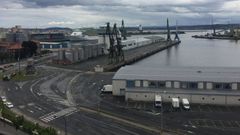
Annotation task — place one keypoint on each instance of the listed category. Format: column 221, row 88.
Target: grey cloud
column 47, row 3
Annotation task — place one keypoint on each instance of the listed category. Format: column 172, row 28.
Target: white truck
column 185, row 104
column 106, row 89
column 158, row 101
column 175, row 103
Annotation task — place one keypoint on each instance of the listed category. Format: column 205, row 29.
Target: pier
column 141, row 53
column 131, row 56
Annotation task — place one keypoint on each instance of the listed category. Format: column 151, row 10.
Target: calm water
column 197, row 52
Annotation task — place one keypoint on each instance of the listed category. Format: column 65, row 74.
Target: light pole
column 65, row 124
column 18, row 61
column 164, row 92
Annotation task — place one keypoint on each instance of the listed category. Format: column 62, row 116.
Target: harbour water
column 196, row 52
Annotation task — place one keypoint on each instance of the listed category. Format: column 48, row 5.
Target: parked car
column 4, row 99
column 9, row 105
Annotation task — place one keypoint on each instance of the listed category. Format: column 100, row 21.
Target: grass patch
column 1, row 75
column 20, row 123
column 23, row 77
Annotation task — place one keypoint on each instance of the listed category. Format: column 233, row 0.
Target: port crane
column 115, row 50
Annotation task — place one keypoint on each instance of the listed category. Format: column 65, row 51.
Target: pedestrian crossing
column 54, row 115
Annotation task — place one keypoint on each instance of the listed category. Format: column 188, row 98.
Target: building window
column 193, row 85
column 239, row 99
column 130, row 84
column 184, row 85
column 213, row 98
column 141, row 83
column 227, row 86
column 203, row 98
column 189, row 85
column 161, row 84
column 222, row 86
column 145, row 96
column 169, row 97
column 152, row 84
column 218, row 86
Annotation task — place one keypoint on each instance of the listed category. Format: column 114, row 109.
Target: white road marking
column 65, row 112
column 209, row 108
column 199, row 108
column 237, row 123
column 30, row 111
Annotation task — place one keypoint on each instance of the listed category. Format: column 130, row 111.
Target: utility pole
column 176, row 33
column 168, row 31
column 65, row 124
column 162, row 116
column 19, row 64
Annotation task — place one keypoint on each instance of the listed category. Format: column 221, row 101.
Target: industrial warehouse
column 204, row 85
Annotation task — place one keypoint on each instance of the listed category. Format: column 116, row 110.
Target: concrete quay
column 131, row 56
column 140, row 54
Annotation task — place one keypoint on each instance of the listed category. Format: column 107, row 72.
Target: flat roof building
column 206, row 85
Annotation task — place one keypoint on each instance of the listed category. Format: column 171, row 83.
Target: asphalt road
column 56, row 99
column 45, row 100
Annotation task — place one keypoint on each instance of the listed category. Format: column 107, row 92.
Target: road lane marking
column 199, row 108
column 237, row 123
column 210, row 110
column 122, row 120
column 65, row 112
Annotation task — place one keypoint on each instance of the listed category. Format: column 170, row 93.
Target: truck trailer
column 175, row 103
column 158, row 101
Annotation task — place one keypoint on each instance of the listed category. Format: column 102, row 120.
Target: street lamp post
column 164, row 92
column 18, row 60
column 65, row 124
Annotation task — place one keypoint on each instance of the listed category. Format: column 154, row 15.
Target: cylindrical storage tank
column 85, row 51
column 61, row 54
column 95, row 51
column 90, row 51
column 69, row 56
column 75, row 55
column 58, row 54
column 80, row 54
column 100, row 50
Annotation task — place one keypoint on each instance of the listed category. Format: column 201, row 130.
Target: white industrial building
column 54, row 45
column 204, row 85
column 132, row 42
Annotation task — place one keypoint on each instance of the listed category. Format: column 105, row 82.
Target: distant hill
column 186, row 27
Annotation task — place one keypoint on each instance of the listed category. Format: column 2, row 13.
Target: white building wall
column 168, row 84
column 177, row 85
column 117, row 85
column 200, row 85
column 234, row 86
column 145, row 83
column 193, row 98
column 139, row 96
column 137, row 83
column 209, row 86
column 233, row 100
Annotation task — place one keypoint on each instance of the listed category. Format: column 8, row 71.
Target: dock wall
column 141, row 56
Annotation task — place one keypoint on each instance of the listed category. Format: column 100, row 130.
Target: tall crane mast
column 115, row 50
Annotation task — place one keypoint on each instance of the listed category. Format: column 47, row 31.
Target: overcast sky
column 94, row 13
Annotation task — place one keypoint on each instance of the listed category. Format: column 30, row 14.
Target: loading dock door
column 122, row 92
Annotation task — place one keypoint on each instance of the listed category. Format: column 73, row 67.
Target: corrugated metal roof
column 195, row 74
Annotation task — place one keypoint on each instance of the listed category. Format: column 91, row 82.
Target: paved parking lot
column 194, row 108
column 220, row 124
column 214, row 108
